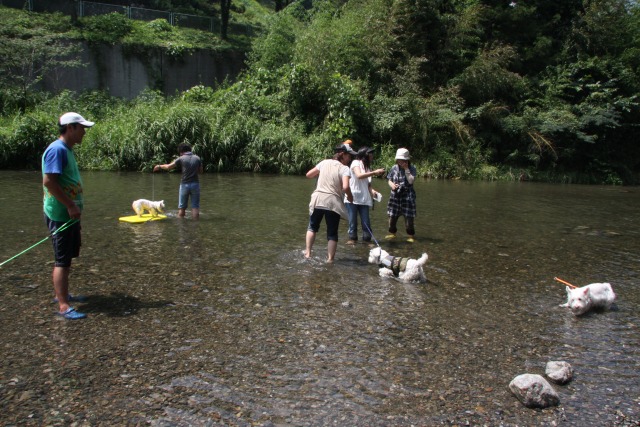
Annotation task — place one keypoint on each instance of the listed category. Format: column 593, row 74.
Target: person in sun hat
column 63, row 204
column 402, row 201
column 327, row 199
column 363, row 194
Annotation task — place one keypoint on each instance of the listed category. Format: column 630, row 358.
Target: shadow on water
column 118, row 304
column 223, row 322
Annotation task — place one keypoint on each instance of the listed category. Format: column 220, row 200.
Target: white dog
column 141, row 205
column 405, row 269
column 595, row 295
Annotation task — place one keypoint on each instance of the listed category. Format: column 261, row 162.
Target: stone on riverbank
column 559, row 372
column 534, row 391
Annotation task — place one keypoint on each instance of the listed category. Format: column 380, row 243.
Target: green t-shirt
column 59, row 159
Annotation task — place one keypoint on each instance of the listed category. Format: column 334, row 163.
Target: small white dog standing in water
column 405, row 269
column 141, row 205
column 595, row 295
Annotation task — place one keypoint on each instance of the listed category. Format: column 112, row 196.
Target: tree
column 225, row 8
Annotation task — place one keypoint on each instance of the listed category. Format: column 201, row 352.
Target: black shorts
column 331, row 218
column 66, row 243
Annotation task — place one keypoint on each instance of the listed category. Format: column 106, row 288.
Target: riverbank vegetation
column 481, row 89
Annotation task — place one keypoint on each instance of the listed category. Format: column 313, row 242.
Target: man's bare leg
column 61, row 286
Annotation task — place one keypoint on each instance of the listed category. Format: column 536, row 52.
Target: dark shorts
column 331, row 218
column 66, row 244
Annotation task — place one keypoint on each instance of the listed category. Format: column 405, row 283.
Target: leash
column 62, row 228
column 566, row 283
column 372, row 236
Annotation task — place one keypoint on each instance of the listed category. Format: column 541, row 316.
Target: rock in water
column 559, row 372
column 534, row 391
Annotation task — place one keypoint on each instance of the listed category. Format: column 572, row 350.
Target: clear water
column 222, row 322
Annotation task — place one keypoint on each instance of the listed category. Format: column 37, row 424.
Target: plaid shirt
column 402, row 201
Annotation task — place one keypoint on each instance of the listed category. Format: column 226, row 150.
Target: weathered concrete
column 126, row 75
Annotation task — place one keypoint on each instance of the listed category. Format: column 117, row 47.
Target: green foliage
column 144, row 134
column 25, row 139
column 138, row 36
column 603, row 28
column 145, row 37
column 275, row 48
column 110, row 28
column 488, row 77
column 537, row 29
column 31, row 48
column 200, row 94
column 354, row 38
column 396, row 118
column 304, row 95
column 453, row 149
column 13, row 99
column 275, row 149
column 536, row 90
column 160, row 26
column 347, row 110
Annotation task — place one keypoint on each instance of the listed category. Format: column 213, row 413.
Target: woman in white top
column 363, row 194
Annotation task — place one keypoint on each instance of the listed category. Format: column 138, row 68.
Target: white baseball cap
column 402, row 154
column 68, row 118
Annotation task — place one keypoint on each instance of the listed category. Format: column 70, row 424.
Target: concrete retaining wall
column 124, row 75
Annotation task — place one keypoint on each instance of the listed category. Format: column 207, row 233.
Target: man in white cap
column 63, row 203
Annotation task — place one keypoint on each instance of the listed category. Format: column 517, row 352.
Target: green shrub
column 160, row 25
column 109, row 28
column 27, row 136
column 199, row 94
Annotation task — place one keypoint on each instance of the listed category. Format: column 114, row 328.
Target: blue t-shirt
column 59, row 159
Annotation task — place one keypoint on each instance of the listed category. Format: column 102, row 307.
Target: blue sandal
column 72, row 314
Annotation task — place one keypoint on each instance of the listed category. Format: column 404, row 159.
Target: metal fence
column 16, row 4
column 65, row 6
column 204, row 23
column 142, row 14
column 89, row 8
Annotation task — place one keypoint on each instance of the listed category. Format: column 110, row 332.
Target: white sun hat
column 402, row 154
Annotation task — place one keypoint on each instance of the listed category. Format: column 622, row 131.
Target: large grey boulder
column 534, row 391
column 559, row 372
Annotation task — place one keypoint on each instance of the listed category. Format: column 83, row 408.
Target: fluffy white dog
column 405, row 269
column 141, row 205
column 595, row 295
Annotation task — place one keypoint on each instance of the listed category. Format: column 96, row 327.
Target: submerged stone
column 534, row 391
column 559, row 372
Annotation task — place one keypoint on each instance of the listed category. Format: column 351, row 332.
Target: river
column 222, row 321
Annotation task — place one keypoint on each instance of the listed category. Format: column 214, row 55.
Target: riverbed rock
column 559, row 372
column 534, row 391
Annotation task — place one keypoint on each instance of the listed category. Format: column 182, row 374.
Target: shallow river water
column 221, row 322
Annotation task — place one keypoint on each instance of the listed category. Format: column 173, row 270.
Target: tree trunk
column 225, row 6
